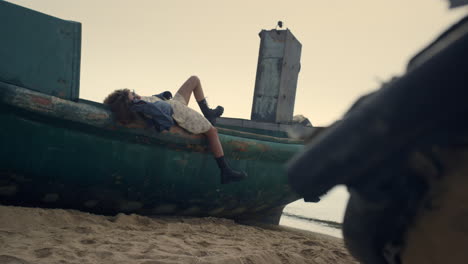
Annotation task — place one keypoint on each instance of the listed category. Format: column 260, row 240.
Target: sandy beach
column 35, row 235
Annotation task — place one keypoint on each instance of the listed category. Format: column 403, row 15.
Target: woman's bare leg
column 214, row 143
column 192, row 85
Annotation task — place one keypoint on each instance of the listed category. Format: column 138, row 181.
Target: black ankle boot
column 227, row 174
column 210, row 114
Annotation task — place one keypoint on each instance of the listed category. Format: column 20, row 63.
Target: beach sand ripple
column 35, row 235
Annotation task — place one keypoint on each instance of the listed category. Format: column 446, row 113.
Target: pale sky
column 154, row 45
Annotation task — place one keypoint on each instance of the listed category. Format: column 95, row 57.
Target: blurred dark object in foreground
column 390, row 150
column 458, row 3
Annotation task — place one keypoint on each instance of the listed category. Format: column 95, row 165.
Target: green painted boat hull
column 58, row 153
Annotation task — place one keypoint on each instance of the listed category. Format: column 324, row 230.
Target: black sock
column 221, row 163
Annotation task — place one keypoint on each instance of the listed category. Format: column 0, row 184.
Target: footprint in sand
column 83, row 230
column 340, row 253
column 88, row 241
column 204, row 244
column 81, row 253
column 310, row 252
column 310, row 243
column 43, row 252
column 296, row 238
column 5, row 259
column 104, row 254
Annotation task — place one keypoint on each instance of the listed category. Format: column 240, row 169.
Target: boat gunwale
column 97, row 115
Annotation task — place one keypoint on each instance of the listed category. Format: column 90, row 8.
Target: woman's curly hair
column 120, row 105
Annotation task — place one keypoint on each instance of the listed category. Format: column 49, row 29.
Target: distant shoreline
column 327, row 223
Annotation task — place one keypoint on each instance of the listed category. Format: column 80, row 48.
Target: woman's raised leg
column 192, row 85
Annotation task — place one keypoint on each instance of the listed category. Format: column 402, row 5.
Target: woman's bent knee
column 194, row 79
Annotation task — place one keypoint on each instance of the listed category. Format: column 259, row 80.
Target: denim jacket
column 159, row 113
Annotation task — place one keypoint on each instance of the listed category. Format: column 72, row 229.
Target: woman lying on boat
column 163, row 112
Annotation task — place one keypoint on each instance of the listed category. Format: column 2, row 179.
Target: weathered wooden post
column 277, row 72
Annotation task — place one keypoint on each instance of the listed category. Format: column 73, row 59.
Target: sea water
column 324, row 217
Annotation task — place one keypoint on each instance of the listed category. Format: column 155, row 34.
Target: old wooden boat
column 58, row 150
column 59, row 153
